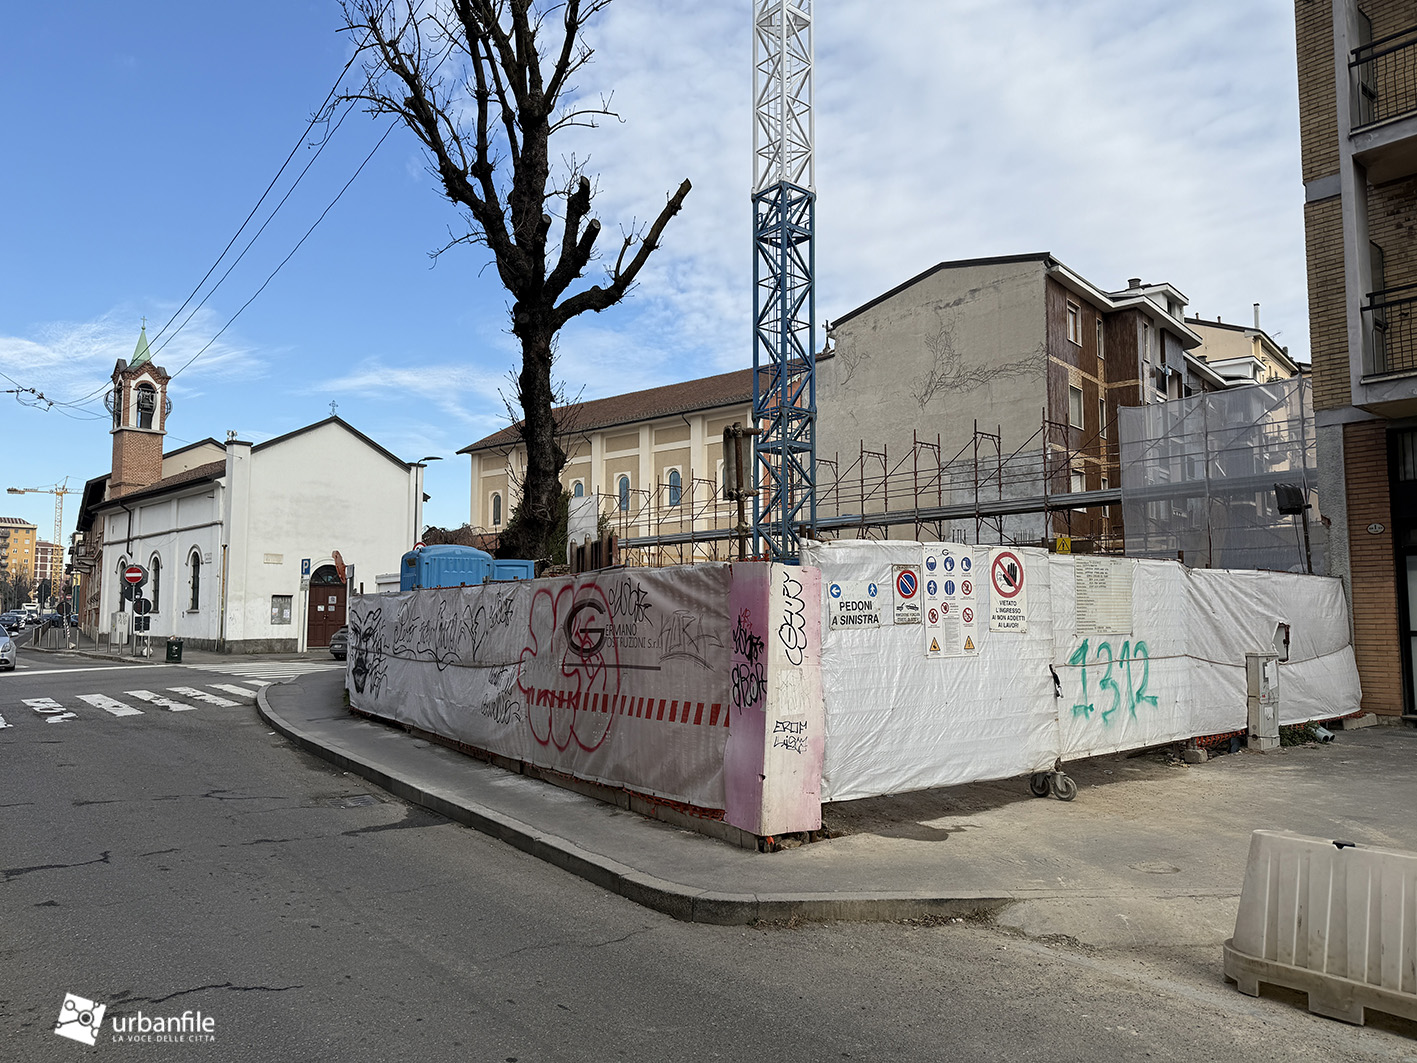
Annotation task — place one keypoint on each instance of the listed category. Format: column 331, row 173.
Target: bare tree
column 482, row 84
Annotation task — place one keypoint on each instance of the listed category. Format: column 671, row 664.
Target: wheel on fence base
column 1064, row 789
column 1040, row 783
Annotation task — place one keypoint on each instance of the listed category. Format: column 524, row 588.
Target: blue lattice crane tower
column 784, row 299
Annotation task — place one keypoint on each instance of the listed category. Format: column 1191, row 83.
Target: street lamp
column 420, row 464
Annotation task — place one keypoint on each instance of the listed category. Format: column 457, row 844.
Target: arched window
column 196, row 563
column 147, row 404
column 497, row 509
column 676, row 487
column 122, row 583
column 155, row 581
column 624, row 489
column 578, row 489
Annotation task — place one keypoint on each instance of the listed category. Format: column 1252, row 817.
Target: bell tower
column 139, row 406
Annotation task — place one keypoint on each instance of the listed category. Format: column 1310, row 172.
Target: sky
column 1129, row 139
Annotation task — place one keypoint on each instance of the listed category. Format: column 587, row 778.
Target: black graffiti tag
column 792, row 632
column 747, row 685
column 746, row 644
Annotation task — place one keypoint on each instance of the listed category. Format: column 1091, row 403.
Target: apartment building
column 1242, row 354
column 1357, row 68
column 18, row 548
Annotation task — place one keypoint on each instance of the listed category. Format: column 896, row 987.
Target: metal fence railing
column 1387, row 77
column 1390, row 317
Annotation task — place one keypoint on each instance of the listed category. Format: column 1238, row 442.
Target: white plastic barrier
column 1144, row 652
column 1336, row 921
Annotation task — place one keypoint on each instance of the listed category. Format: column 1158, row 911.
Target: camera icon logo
column 79, row 1019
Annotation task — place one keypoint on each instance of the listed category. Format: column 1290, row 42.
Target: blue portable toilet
column 508, row 568
column 444, row 566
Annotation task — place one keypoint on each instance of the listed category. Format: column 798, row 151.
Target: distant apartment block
column 18, row 540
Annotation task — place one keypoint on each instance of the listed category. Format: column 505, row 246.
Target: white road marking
column 160, row 701
column 107, row 704
column 50, row 709
column 243, row 692
column 202, row 695
column 85, row 671
column 3, row 724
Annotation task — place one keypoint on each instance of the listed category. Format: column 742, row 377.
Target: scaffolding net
column 1199, row 476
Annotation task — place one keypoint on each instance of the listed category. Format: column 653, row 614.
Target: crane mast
column 784, row 299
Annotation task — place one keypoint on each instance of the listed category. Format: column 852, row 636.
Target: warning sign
column 907, row 594
column 968, row 644
column 1008, row 592
column 854, row 605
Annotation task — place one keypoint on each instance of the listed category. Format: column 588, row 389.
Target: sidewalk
column 83, row 646
column 1149, row 853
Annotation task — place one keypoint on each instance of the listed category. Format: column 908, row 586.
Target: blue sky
column 1129, row 139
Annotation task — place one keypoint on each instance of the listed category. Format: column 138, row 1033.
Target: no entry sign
column 1008, row 606
column 136, row 575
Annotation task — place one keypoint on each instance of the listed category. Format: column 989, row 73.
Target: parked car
column 8, row 652
column 339, row 644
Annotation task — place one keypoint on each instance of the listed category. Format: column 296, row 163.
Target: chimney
column 1257, row 315
column 1133, row 282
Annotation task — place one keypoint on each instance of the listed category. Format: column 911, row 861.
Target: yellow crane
column 59, row 490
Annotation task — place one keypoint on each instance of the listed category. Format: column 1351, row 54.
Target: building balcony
column 1384, row 131
column 1388, row 385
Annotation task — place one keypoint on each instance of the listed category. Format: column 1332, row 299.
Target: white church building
column 248, row 548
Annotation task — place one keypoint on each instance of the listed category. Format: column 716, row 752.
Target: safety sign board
column 855, row 605
column 1008, row 591
column 949, row 600
column 907, row 594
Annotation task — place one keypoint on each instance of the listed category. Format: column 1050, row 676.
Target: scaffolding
column 1199, row 476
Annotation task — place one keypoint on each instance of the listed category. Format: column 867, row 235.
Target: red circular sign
column 134, row 574
column 966, row 588
column 968, row 615
column 934, row 616
column 1006, row 574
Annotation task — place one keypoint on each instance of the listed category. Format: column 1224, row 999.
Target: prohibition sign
column 1007, row 575
column 934, row 616
column 905, row 584
column 966, row 588
column 968, row 615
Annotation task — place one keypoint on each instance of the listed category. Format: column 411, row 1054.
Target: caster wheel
column 1064, row 789
column 1039, row 783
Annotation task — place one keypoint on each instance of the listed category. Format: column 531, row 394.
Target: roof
column 705, row 393
column 959, row 263
column 336, row 420
column 197, row 474
column 209, row 441
column 16, row 522
column 1275, row 350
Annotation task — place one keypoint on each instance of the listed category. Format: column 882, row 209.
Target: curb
column 685, row 903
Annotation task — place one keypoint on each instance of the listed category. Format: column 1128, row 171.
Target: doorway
column 325, row 609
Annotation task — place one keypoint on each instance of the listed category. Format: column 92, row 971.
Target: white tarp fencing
column 619, row 677
column 1145, row 652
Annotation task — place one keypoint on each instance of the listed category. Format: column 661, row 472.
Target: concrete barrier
column 1331, row 919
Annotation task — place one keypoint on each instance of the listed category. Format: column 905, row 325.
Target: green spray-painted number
column 1129, row 693
column 1079, row 658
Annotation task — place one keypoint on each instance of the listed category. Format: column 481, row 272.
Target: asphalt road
column 170, row 861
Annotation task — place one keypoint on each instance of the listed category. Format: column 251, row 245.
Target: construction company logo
column 79, row 1019
column 569, row 666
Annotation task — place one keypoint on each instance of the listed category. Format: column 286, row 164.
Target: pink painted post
column 747, row 696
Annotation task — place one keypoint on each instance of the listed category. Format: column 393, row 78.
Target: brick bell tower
column 138, row 403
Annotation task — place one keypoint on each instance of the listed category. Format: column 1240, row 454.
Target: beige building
column 653, row 458
column 1358, row 152
column 1242, row 354
column 18, row 547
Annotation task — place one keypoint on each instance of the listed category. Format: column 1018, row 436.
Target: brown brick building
column 1357, row 65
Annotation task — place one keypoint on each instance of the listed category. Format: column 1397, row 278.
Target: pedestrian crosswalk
column 271, row 671
column 133, row 702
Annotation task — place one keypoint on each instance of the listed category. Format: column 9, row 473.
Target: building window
column 122, row 585
column 578, row 489
column 1102, row 418
column 1106, row 483
column 496, row 509
column 1146, row 341
column 1101, row 347
column 623, row 489
column 1078, row 481
column 1075, row 407
column 281, row 608
column 676, row 487
column 1074, row 324
column 155, row 581
column 147, row 405
column 196, row 564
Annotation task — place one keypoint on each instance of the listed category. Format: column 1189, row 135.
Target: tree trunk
column 529, row 533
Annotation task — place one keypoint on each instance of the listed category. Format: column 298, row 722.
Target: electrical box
column 1262, row 699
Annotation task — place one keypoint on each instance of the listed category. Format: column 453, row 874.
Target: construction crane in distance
column 784, row 293
column 59, row 490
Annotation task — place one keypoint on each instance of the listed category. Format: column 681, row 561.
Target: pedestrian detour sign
column 855, row 605
column 1008, row 591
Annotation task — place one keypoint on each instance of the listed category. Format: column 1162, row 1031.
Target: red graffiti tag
column 569, row 667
